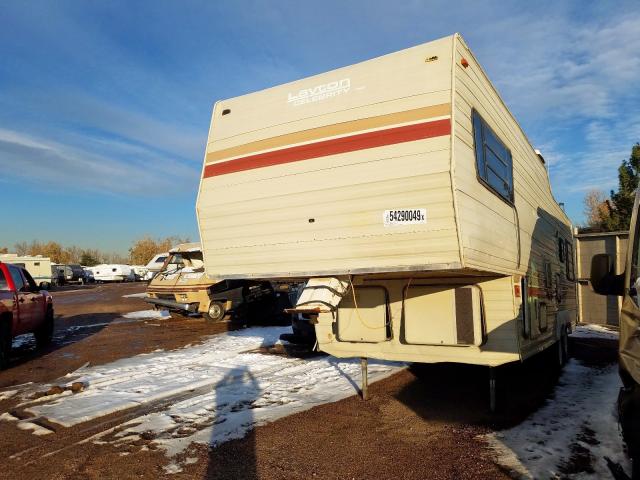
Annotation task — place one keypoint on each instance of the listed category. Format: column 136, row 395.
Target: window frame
column 30, row 283
column 484, row 181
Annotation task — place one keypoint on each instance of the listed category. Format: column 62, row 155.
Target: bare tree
column 21, row 248
column 596, row 209
column 144, row 249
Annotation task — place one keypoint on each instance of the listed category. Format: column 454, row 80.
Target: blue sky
column 105, row 105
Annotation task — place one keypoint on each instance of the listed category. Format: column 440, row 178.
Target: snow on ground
column 22, row 340
column 594, row 331
column 570, row 435
column 7, row 394
column 147, row 314
column 209, row 393
column 136, row 295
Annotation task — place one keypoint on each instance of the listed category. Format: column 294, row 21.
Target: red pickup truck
column 24, row 308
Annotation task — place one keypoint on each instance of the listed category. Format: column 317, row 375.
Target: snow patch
column 208, row 393
column 594, row 331
column 136, row 295
column 147, row 314
column 7, row 394
column 22, row 340
column 34, row 428
column 7, row 417
column 172, row 468
column 569, row 436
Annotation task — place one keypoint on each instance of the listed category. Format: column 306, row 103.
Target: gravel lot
column 421, row 422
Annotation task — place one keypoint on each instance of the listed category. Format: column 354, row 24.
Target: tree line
column 140, row 252
column 613, row 213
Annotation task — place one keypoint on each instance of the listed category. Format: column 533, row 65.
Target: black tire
column 44, row 333
column 5, row 343
column 216, row 312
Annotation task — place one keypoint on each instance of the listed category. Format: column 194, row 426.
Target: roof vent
column 540, row 156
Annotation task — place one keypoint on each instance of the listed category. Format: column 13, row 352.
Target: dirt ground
column 419, row 423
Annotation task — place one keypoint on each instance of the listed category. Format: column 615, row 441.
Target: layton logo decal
column 319, row 92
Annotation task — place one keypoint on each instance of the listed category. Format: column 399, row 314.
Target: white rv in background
column 39, row 267
column 139, row 271
column 112, row 273
column 155, row 265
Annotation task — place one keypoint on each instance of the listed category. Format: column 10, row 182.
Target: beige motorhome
column 405, row 193
column 181, row 284
column 39, row 267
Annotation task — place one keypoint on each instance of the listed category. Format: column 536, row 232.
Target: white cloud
column 54, row 165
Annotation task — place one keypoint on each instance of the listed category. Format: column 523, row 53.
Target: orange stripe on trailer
column 363, row 141
column 329, row 131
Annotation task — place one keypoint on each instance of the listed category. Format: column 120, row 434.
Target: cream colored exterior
column 322, row 214
column 39, row 267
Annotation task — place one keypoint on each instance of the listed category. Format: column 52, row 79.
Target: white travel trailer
column 155, row 265
column 139, row 271
column 112, row 273
column 405, row 192
column 39, row 267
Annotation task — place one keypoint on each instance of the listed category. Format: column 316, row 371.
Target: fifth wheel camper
column 411, row 203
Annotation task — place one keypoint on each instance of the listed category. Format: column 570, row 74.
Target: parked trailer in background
column 155, row 265
column 39, row 267
column 405, row 192
column 112, row 273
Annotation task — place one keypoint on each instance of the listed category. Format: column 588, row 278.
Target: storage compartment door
column 366, row 319
column 443, row 315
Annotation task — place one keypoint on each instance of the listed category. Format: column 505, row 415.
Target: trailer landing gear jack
column 365, row 381
column 492, row 389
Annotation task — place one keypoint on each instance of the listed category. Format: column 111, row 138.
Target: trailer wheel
column 5, row 343
column 216, row 312
column 44, row 333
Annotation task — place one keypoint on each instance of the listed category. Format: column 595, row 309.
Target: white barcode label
column 405, row 216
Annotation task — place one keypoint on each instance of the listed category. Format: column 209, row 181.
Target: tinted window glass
column 3, row 282
column 18, row 282
column 31, row 283
column 493, row 159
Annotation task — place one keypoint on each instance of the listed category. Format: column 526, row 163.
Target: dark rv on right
column 627, row 284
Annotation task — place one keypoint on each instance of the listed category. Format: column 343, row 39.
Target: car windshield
column 184, row 262
column 193, row 260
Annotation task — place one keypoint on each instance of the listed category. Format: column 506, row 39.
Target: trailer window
column 493, row 159
column 561, row 249
column 569, row 264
